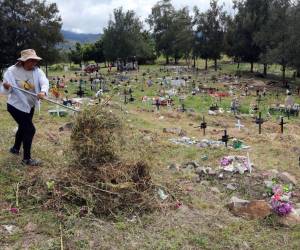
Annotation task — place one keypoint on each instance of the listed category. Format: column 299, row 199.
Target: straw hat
column 28, row 54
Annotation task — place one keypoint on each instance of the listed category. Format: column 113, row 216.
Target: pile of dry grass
column 111, row 188
column 99, row 178
column 96, row 136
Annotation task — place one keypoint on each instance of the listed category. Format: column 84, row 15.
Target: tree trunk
column 216, row 65
column 206, row 63
column 238, row 65
column 167, row 60
column 194, row 62
column 265, row 69
column 298, row 73
column 176, row 60
column 251, row 69
column 283, row 73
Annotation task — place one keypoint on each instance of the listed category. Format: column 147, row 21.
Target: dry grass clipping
column 99, row 178
column 96, row 136
column 111, row 188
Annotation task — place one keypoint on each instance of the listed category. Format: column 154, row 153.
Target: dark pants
column 25, row 131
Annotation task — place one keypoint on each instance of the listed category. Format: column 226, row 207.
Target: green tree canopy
column 29, row 24
column 124, row 37
column 210, row 31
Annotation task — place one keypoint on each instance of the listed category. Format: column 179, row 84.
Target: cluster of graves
column 171, row 85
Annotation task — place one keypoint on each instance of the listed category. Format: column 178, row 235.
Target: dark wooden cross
column 258, row 100
column 259, row 121
column 131, row 98
column 281, row 124
column 203, row 125
column 125, row 96
column 225, row 138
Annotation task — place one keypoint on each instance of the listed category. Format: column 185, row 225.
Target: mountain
column 72, row 37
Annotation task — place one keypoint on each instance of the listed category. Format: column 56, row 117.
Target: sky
column 91, row 16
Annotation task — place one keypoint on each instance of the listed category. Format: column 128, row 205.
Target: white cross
column 239, row 125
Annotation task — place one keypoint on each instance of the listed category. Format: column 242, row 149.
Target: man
column 26, row 75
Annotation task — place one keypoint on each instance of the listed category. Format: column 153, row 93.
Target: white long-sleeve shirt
column 17, row 98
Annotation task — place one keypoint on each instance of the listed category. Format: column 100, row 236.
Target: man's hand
column 6, row 85
column 41, row 95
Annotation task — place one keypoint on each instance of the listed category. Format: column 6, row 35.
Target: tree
column 251, row 17
column 183, row 31
column 124, row 37
column 98, row 55
column 294, row 38
column 28, row 24
column 161, row 21
column 279, row 41
column 76, row 55
column 14, row 32
column 210, row 30
column 46, row 25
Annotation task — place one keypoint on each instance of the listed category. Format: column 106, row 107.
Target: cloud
column 91, row 16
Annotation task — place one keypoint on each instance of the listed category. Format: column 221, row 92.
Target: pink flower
column 14, row 210
column 178, row 204
column 276, row 197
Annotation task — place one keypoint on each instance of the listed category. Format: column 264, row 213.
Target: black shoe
column 14, row 151
column 31, row 162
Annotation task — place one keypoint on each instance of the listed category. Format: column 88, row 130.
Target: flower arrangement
column 280, row 207
column 280, row 200
column 239, row 164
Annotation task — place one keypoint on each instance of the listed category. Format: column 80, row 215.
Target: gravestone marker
column 239, row 125
column 281, row 124
column 225, row 138
column 259, row 121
